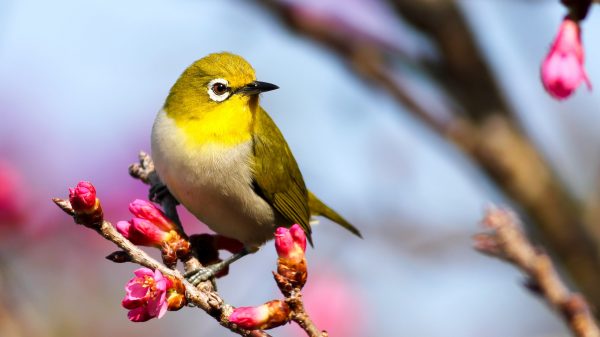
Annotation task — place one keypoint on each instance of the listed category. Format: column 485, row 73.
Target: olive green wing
column 277, row 178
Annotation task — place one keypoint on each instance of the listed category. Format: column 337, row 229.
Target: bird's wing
column 277, row 178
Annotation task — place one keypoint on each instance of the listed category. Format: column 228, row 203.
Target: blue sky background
column 80, row 83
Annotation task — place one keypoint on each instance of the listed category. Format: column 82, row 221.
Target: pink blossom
column 142, row 232
column 12, row 195
column 83, row 197
column 269, row 315
column 290, row 243
column 335, row 304
column 145, row 210
column 562, row 70
column 145, row 296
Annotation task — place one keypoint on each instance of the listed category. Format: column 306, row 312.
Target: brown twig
column 204, row 298
column 299, row 315
column 506, row 240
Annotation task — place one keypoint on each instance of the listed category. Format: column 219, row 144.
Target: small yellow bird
column 224, row 159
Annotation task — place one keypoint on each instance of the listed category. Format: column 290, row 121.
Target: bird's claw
column 200, row 275
column 158, row 192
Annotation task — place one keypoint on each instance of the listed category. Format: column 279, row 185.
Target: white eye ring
column 215, row 96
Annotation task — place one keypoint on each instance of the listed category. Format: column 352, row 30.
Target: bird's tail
column 317, row 207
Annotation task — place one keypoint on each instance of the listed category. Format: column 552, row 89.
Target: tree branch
column 203, row 298
column 484, row 128
column 506, row 240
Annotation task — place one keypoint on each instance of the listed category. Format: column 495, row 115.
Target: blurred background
column 408, row 117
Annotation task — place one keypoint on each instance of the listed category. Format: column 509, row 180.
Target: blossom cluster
column 291, row 276
column 150, row 293
column 150, row 227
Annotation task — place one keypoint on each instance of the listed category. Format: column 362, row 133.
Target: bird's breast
column 213, row 181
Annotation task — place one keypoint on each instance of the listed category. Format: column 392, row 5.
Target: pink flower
column 142, row 232
column 335, row 303
column 145, row 210
column 145, row 296
column 12, row 195
column 290, row 243
column 269, row 315
column 562, row 70
column 83, row 197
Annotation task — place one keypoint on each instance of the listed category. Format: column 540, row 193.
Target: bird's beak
column 257, row 87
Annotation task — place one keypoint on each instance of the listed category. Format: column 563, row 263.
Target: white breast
column 213, row 182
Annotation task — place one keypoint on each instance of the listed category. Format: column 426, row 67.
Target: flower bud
column 175, row 294
column 269, row 315
column 562, row 70
column 145, row 210
column 290, row 243
column 142, row 232
column 291, row 265
column 85, row 204
column 83, row 197
column 150, row 227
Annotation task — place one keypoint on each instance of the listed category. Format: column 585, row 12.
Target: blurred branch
column 506, row 240
column 485, row 128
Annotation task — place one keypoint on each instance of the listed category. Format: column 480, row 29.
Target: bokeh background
column 81, row 81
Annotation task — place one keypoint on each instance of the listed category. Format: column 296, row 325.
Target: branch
column 506, row 240
column 482, row 126
column 203, row 298
column 300, row 316
column 150, row 227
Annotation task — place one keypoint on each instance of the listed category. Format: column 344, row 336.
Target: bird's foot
column 203, row 274
column 158, row 192
column 197, row 276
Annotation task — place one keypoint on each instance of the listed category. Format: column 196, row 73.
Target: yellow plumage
column 223, row 158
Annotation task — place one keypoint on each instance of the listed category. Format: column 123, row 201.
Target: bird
column 222, row 157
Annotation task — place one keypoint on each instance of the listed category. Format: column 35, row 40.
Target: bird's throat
column 227, row 125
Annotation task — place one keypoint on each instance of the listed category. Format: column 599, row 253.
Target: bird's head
column 214, row 84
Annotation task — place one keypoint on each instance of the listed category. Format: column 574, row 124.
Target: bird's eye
column 218, row 89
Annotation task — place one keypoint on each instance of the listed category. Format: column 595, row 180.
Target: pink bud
column 290, row 243
column 142, row 232
column 265, row 316
column 145, row 295
column 83, row 197
column 146, row 210
column 124, row 227
column 562, row 70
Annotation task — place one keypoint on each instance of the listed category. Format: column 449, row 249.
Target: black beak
column 257, row 87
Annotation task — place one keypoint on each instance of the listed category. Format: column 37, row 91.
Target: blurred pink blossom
column 562, row 70
column 12, row 195
column 145, row 296
column 334, row 304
